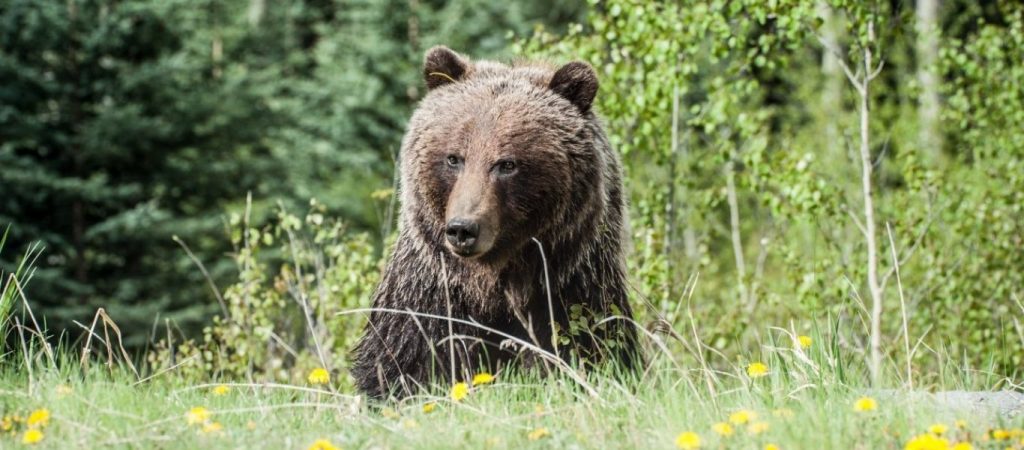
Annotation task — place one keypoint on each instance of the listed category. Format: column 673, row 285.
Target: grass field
column 801, row 398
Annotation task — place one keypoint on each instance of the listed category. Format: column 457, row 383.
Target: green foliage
column 976, row 269
column 738, row 129
column 285, row 314
column 118, row 132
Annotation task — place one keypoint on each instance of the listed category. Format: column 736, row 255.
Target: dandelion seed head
column 63, row 390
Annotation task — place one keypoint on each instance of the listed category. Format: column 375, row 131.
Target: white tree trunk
column 870, row 233
column 929, row 136
column 736, row 234
column 255, row 13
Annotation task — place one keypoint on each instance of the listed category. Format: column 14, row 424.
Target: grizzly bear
column 512, row 224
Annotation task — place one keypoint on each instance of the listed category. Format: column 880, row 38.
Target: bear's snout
column 462, row 234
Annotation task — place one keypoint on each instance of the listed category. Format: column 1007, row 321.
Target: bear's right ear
column 441, row 66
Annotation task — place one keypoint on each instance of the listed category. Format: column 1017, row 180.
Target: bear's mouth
column 465, row 253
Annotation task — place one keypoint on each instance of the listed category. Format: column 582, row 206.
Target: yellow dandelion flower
column 960, row 423
column 688, row 441
column 805, row 341
column 539, row 433
column 483, row 378
column 927, row 442
column 197, row 415
column 6, row 424
column 757, row 370
column 757, row 427
column 865, row 404
column 722, row 428
column 220, row 389
column 429, row 407
column 32, row 436
column 938, row 429
column 460, row 391
column 63, row 390
column 212, row 427
column 250, row 425
column 390, row 413
column 962, row 446
column 741, row 417
column 323, row 444
column 771, row 447
column 410, row 424
column 39, row 418
column 1000, row 434
column 319, row 376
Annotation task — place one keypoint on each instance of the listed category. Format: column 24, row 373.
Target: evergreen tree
column 124, row 123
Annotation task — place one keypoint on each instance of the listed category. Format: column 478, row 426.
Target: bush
column 283, row 315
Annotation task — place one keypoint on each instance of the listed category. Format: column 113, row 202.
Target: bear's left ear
column 577, row 82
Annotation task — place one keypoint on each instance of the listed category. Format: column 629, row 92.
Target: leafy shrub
column 282, row 316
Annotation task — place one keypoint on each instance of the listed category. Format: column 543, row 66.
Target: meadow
column 826, row 219
column 796, row 392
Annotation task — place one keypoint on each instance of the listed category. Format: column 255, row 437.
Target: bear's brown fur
column 495, row 156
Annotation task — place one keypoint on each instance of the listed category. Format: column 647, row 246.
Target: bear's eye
column 506, row 167
column 453, row 160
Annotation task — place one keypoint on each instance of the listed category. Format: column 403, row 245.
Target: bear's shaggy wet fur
column 495, row 156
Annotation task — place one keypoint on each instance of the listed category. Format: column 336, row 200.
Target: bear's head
column 498, row 154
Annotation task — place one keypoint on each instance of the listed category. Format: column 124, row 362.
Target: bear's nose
column 462, row 233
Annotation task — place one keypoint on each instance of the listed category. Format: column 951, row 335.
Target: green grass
column 113, row 409
column 804, row 401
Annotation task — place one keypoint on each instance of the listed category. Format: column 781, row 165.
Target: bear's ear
column 441, row 66
column 577, row 82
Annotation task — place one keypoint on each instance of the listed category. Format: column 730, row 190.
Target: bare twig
column 551, row 307
column 854, row 78
column 206, row 275
column 448, row 306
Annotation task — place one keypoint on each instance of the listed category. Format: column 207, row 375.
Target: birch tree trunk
column 929, row 137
